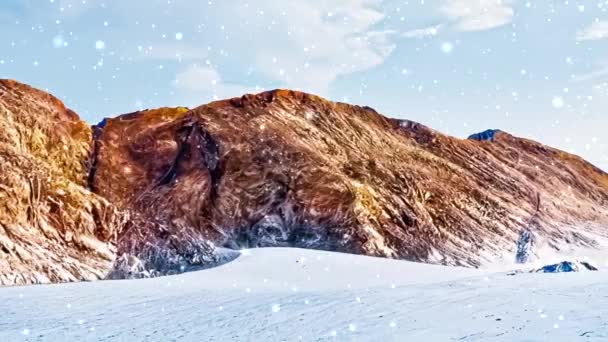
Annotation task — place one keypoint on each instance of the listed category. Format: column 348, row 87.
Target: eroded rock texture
column 138, row 156
column 285, row 168
column 52, row 229
column 158, row 191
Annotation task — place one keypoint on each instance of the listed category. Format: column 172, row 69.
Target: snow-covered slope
column 283, row 294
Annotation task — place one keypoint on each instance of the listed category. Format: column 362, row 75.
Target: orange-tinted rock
column 135, row 157
column 285, row 168
column 52, row 229
column 156, row 192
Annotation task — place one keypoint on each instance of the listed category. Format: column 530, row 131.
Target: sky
column 537, row 69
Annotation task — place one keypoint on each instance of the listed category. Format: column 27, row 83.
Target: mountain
column 285, row 168
column 52, row 228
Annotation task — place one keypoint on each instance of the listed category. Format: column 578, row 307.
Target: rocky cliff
column 285, row 168
column 52, row 228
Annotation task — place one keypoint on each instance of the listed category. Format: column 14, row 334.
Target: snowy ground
column 292, row 294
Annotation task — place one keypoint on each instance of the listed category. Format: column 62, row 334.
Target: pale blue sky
column 536, row 69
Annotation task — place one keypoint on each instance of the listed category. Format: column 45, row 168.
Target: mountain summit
column 281, row 168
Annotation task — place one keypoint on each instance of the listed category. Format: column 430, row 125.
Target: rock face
column 280, row 168
column 566, row 267
column 487, row 135
column 285, row 168
column 52, row 229
column 137, row 157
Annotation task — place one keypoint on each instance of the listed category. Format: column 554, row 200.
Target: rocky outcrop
column 567, row 267
column 487, row 135
column 52, row 228
column 280, row 168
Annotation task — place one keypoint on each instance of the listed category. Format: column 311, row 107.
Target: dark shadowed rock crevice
column 93, row 158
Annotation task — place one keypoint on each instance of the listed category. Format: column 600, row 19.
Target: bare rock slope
column 52, row 229
column 158, row 191
column 285, row 168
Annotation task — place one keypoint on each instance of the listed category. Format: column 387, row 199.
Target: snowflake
column 447, row 47
column 59, row 42
column 557, row 102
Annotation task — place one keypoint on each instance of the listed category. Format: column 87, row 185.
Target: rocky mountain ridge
column 280, row 168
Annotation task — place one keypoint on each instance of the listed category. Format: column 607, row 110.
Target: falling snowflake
column 447, row 47
column 557, row 102
column 59, row 42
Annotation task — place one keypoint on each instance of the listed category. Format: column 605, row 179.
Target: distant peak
column 487, row 135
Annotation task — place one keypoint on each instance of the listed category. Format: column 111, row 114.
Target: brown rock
column 280, row 168
column 285, row 168
column 52, row 229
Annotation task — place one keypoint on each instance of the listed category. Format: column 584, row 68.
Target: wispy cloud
column 206, row 80
column 467, row 15
column 198, row 78
column 325, row 40
column 596, row 31
column 600, row 72
column 296, row 44
column 423, row 32
column 478, row 15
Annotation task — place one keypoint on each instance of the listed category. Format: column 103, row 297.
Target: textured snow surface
column 285, row 294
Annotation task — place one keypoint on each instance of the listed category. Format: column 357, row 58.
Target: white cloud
column 200, row 81
column 596, row 31
column 324, row 41
column 296, row 44
column 423, row 32
column 478, row 15
column 197, row 78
